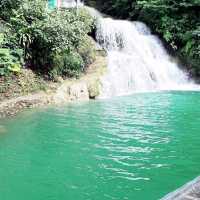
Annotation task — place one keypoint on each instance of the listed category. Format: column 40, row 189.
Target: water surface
column 137, row 147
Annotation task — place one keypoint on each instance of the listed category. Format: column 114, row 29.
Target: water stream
column 137, row 60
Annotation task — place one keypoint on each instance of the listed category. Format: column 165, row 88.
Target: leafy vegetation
column 176, row 21
column 47, row 40
column 24, row 83
column 7, row 7
column 10, row 60
column 56, row 43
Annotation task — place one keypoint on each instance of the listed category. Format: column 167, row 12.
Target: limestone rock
column 79, row 91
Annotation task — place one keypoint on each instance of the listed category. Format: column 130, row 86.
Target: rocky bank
column 86, row 87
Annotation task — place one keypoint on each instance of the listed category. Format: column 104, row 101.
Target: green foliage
column 62, row 31
column 42, row 33
column 117, row 8
column 24, row 83
column 68, row 64
column 7, row 7
column 10, row 60
column 178, row 23
column 87, row 51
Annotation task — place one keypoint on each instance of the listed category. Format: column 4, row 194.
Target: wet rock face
column 94, row 88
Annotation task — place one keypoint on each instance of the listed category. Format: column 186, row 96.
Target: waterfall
column 137, row 60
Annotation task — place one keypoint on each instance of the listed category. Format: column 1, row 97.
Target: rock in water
column 2, row 129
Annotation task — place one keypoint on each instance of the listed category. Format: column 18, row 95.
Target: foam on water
column 137, row 60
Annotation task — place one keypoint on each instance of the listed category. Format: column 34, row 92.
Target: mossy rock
column 94, row 87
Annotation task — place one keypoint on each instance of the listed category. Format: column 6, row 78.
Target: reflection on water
column 139, row 147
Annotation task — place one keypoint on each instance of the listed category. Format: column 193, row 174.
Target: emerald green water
column 129, row 148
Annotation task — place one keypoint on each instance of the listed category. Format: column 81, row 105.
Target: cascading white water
column 137, row 60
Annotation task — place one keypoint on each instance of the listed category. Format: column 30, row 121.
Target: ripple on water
column 137, row 147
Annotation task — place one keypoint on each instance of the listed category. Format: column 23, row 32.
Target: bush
column 64, row 30
column 48, row 36
column 87, row 51
column 10, row 60
column 7, row 7
column 24, row 83
column 67, row 64
column 178, row 23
